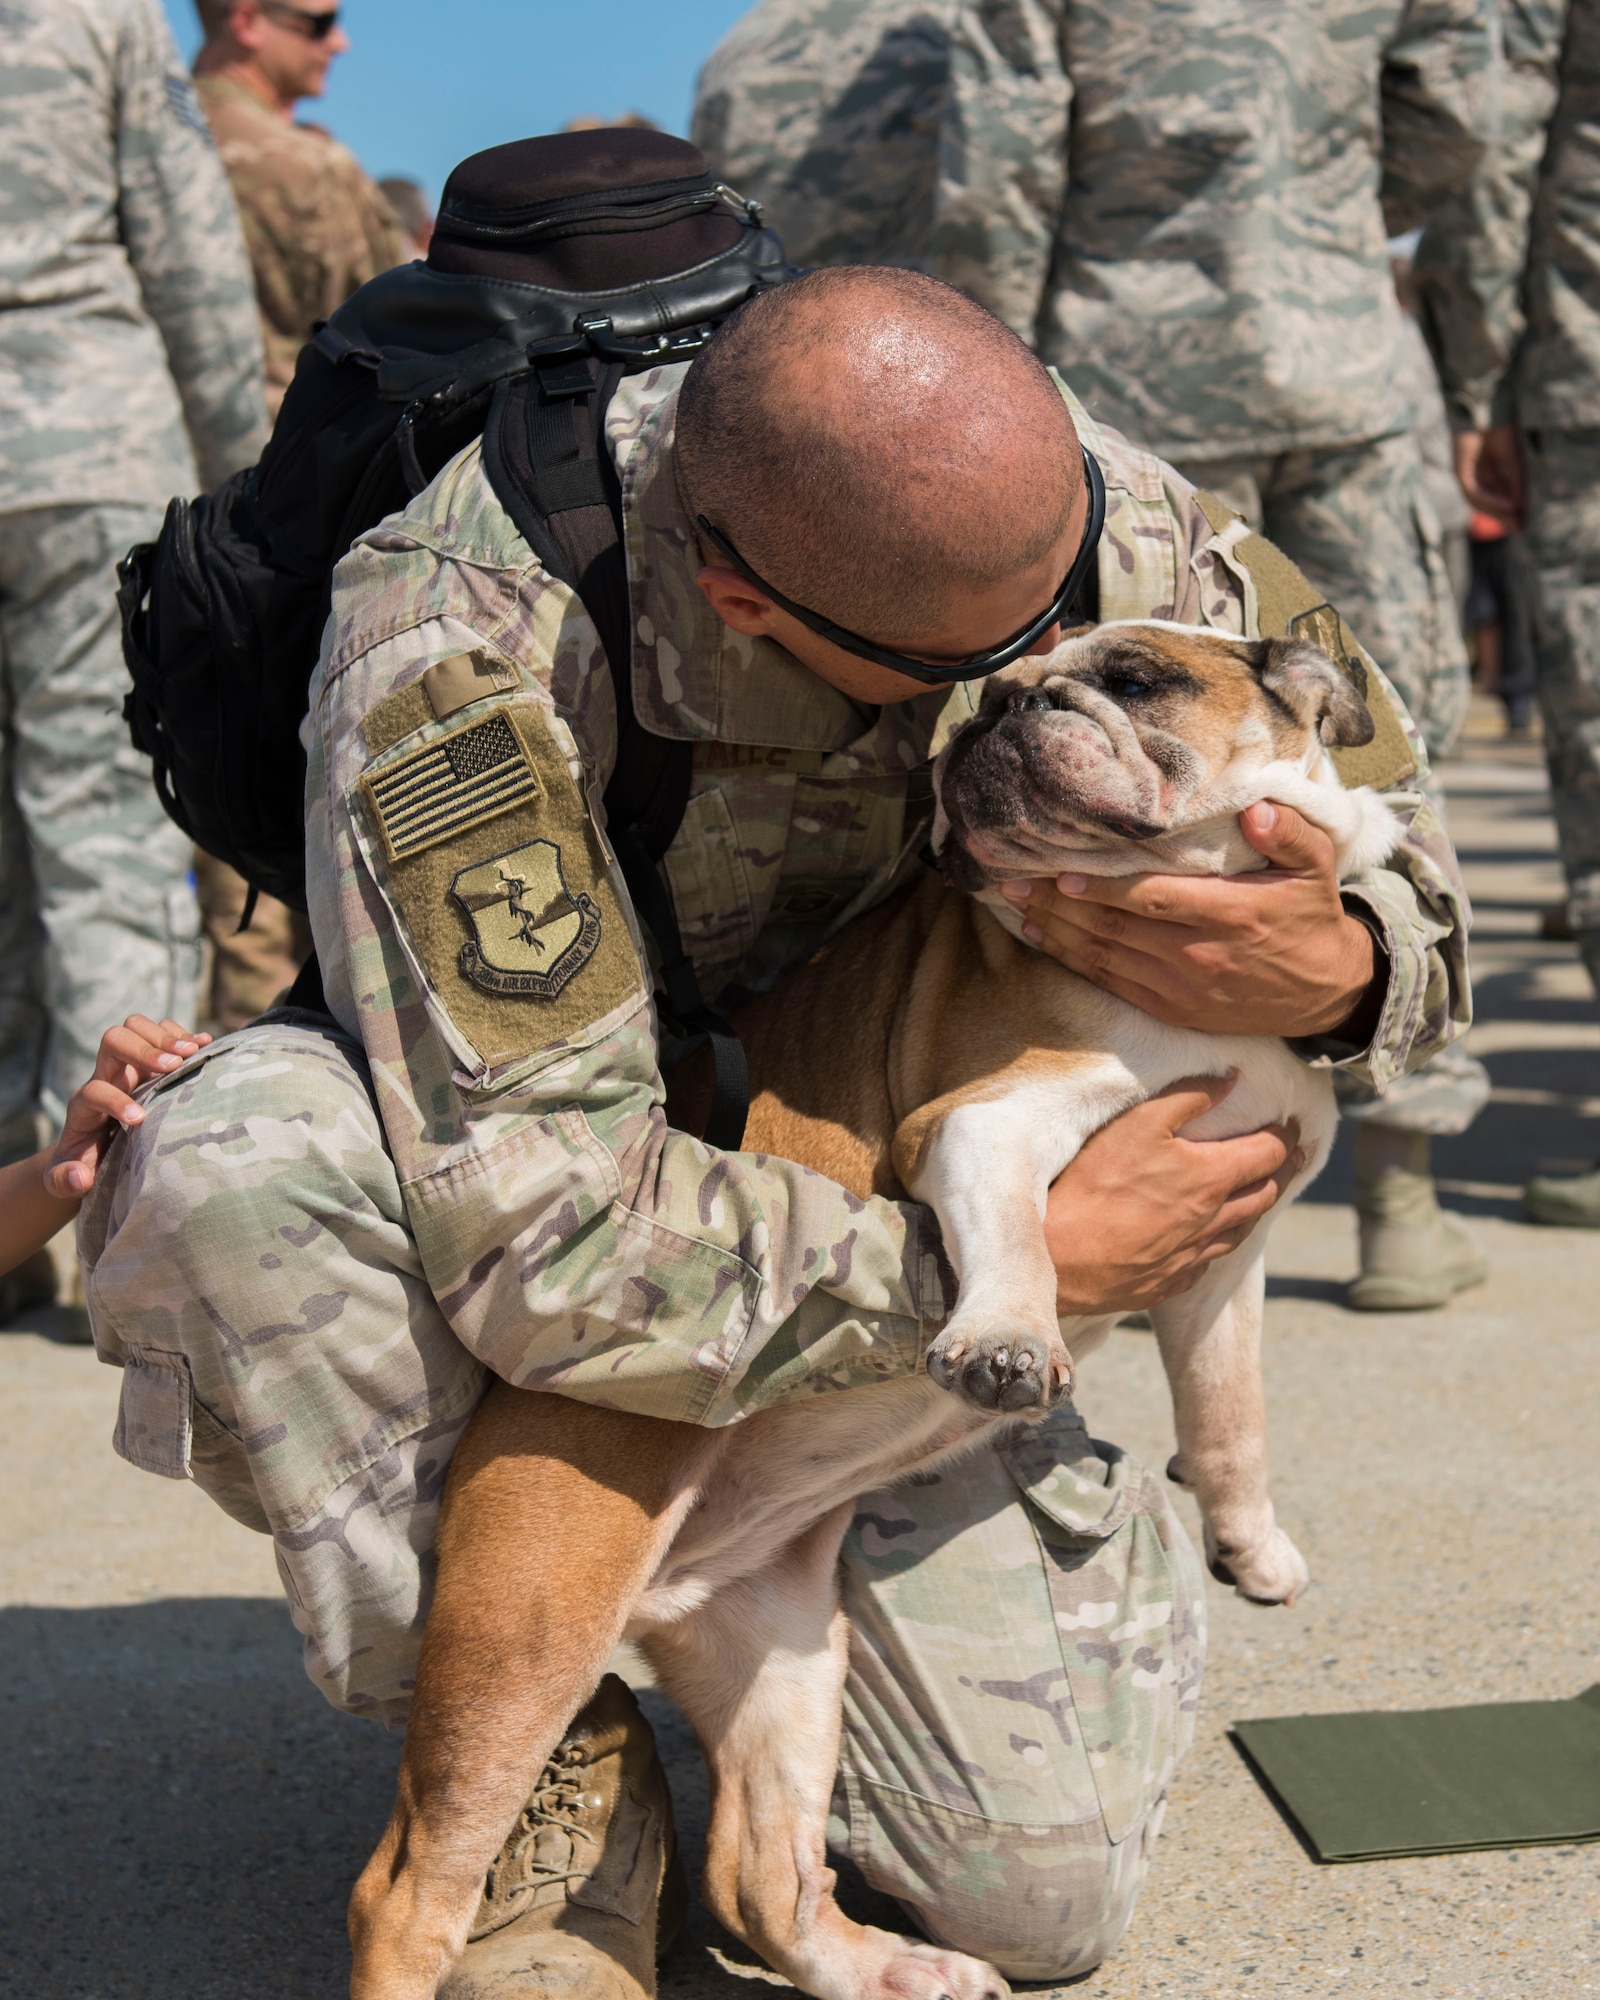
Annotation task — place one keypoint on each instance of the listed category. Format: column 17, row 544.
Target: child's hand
column 130, row 1055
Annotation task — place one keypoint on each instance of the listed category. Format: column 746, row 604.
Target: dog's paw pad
column 1273, row 1572
column 1008, row 1370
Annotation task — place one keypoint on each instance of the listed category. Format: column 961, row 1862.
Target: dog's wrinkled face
column 1109, row 748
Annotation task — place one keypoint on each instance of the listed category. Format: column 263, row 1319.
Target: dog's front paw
column 1001, row 1367
column 1273, row 1572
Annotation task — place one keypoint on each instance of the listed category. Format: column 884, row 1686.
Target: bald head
column 875, row 445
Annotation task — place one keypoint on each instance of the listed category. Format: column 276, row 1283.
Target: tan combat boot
column 589, row 1890
column 1413, row 1255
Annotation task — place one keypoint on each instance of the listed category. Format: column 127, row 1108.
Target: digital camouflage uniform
column 128, row 352
column 476, row 1172
column 317, row 229
column 1512, row 298
column 1185, row 206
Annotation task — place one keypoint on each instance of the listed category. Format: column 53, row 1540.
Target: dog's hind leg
column 1211, row 1347
column 759, row 1672
column 555, row 1516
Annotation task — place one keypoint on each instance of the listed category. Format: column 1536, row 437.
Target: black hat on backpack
column 585, row 211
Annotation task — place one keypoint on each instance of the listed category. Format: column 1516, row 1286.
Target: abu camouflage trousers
column 1028, row 1633
column 1360, row 522
column 97, row 917
column 1561, row 555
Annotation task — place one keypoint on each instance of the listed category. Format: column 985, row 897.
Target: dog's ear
column 1316, row 694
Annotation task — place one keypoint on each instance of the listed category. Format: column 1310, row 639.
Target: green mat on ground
column 1436, row 1780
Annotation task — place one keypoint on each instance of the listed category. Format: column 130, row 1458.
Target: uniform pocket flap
column 153, row 1418
column 1083, row 1485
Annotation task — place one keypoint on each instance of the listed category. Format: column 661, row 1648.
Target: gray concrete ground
column 180, row 1813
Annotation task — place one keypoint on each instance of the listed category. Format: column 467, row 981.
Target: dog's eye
column 1126, row 687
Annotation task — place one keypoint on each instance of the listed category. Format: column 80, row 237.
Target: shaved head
column 876, row 445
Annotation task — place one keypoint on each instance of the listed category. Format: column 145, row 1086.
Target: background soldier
column 1511, row 296
column 317, row 229
column 1185, row 207
column 129, row 354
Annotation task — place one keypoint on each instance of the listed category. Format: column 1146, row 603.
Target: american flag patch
column 457, row 781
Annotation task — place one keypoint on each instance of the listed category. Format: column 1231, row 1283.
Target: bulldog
column 931, row 1051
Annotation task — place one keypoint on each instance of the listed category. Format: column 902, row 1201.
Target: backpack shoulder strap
column 545, row 454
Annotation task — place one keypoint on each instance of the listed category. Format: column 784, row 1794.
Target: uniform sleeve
column 1469, row 266
column 829, row 116
column 1440, row 105
column 482, row 946
column 1003, row 156
column 1416, row 904
column 182, row 234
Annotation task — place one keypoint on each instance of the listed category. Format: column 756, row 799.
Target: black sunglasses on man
column 315, row 27
column 922, row 670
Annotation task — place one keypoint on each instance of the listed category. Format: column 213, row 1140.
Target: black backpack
column 558, row 266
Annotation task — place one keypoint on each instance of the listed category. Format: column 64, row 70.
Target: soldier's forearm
column 589, row 1248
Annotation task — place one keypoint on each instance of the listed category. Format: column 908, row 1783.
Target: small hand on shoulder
column 1273, row 953
column 38, row 1196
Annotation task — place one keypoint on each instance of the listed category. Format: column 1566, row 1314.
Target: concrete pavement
column 182, row 1814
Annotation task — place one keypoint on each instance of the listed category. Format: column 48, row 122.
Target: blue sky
column 427, row 83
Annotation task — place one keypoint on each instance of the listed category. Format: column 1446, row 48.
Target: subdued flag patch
column 455, row 782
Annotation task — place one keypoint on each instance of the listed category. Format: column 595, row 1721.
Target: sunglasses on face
column 923, row 670
column 315, row 27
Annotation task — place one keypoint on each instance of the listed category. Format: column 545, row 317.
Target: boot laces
column 555, row 1807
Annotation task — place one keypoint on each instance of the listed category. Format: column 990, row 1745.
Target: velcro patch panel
column 455, row 782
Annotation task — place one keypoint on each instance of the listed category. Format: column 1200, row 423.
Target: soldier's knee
column 1057, row 1904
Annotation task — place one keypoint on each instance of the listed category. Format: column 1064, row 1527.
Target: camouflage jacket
column 474, row 932
column 1507, row 277
column 1183, row 204
column 127, row 329
column 316, row 227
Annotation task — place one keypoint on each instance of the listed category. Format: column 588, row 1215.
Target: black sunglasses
column 921, row 670
column 315, row 27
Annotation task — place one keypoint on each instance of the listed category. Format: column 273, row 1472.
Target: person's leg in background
column 94, row 879
column 1361, row 525
column 1560, row 565
column 253, row 967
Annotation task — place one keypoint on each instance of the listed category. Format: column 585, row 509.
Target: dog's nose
column 1029, row 701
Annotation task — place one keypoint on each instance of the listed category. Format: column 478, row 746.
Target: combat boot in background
column 1413, row 1254
column 589, row 1890
column 1564, row 1201
column 1570, row 1201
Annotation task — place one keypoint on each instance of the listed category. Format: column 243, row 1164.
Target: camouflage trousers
column 250, row 968
column 97, row 917
column 1561, row 555
column 1028, row 1634
column 1360, row 522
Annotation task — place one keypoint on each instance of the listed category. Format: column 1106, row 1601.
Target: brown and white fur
column 928, row 1050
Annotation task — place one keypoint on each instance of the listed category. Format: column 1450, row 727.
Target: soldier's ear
column 1302, row 679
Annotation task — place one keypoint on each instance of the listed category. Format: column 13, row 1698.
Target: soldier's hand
column 1489, row 472
column 1142, row 1211
column 1274, row 953
column 129, row 1055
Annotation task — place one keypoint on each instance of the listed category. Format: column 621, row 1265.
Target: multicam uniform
column 128, row 349
column 1184, row 206
column 306, row 1301
column 317, row 229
